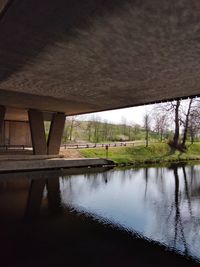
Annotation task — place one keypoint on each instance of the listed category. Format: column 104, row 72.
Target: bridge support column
column 37, row 132
column 55, row 133
column 40, row 146
column 2, row 116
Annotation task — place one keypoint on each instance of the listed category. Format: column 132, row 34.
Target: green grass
column 155, row 153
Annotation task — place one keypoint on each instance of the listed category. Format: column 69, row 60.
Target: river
column 44, row 211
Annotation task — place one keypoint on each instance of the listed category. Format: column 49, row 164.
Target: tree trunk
column 186, row 124
column 192, row 138
column 71, row 130
column 176, row 133
column 161, row 136
column 147, row 137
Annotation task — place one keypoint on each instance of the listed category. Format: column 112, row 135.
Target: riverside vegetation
column 170, row 133
column 139, row 155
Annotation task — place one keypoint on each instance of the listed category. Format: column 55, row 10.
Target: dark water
column 66, row 217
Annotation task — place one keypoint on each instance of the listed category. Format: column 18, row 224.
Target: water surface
column 162, row 204
column 100, row 217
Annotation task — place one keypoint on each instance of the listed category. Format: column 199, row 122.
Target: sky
column 132, row 115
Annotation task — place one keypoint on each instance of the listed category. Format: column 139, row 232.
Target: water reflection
column 44, row 210
column 35, row 196
column 161, row 204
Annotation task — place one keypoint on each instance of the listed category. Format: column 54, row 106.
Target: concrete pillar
column 37, row 132
column 55, row 133
column 2, row 116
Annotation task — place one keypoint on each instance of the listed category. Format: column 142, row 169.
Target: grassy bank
column 155, row 153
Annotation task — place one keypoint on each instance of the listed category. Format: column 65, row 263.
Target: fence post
column 106, row 151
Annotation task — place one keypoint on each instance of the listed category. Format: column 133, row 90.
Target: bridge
column 61, row 58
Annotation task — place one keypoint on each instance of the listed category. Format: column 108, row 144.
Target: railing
column 8, row 147
column 79, row 146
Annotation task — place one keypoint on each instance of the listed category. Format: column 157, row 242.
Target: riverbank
column 155, row 153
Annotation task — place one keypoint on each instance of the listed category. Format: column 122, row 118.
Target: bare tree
column 161, row 123
column 89, row 130
column 73, row 123
column 147, row 127
column 194, row 124
column 96, row 128
column 172, row 110
column 124, row 125
column 176, row 107
column 194, row 120
column 186, row 123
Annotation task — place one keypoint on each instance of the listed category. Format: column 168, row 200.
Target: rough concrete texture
column 16, row 133
column 91, row 55
column 55, row 133
column 38, row 138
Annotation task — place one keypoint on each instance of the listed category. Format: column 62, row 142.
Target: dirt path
column 70, row 153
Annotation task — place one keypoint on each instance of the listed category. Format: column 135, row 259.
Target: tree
column 71, row 127
column 96, row 128
column 72, row 123
column 89, row 130
column 194, row 124
column 124, row 125
column 182, row 112
column 147, row 127
column 186, row 123
column 194, row 121
column 176, row 107
column 161, row 123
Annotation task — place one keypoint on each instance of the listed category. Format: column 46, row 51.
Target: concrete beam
column 55, row 133
column 2, row 116
column 37, row 132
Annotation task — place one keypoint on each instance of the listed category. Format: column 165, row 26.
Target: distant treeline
column 96, row 131
column 173, row 122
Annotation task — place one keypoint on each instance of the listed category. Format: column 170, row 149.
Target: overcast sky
column 132, row 115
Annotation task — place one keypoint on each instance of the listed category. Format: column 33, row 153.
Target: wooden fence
column 79, row 146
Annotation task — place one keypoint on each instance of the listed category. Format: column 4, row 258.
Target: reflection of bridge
column 39, row 228
column 83, row 56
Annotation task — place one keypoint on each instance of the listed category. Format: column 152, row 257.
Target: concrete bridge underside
column 73, row 57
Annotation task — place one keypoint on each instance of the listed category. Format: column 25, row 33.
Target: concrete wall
column 16, row 133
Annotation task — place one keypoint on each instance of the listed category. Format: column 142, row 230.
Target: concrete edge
column 26, row 165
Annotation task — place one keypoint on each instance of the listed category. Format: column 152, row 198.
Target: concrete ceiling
column 80, row 56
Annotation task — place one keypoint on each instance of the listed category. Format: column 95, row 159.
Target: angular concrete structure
column 75, row 57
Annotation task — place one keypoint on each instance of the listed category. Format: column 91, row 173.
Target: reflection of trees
column 35, row 196
column 146, row 174
column 178, row 224
column 168, row 192
column 87, row 183
column 187, row 191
